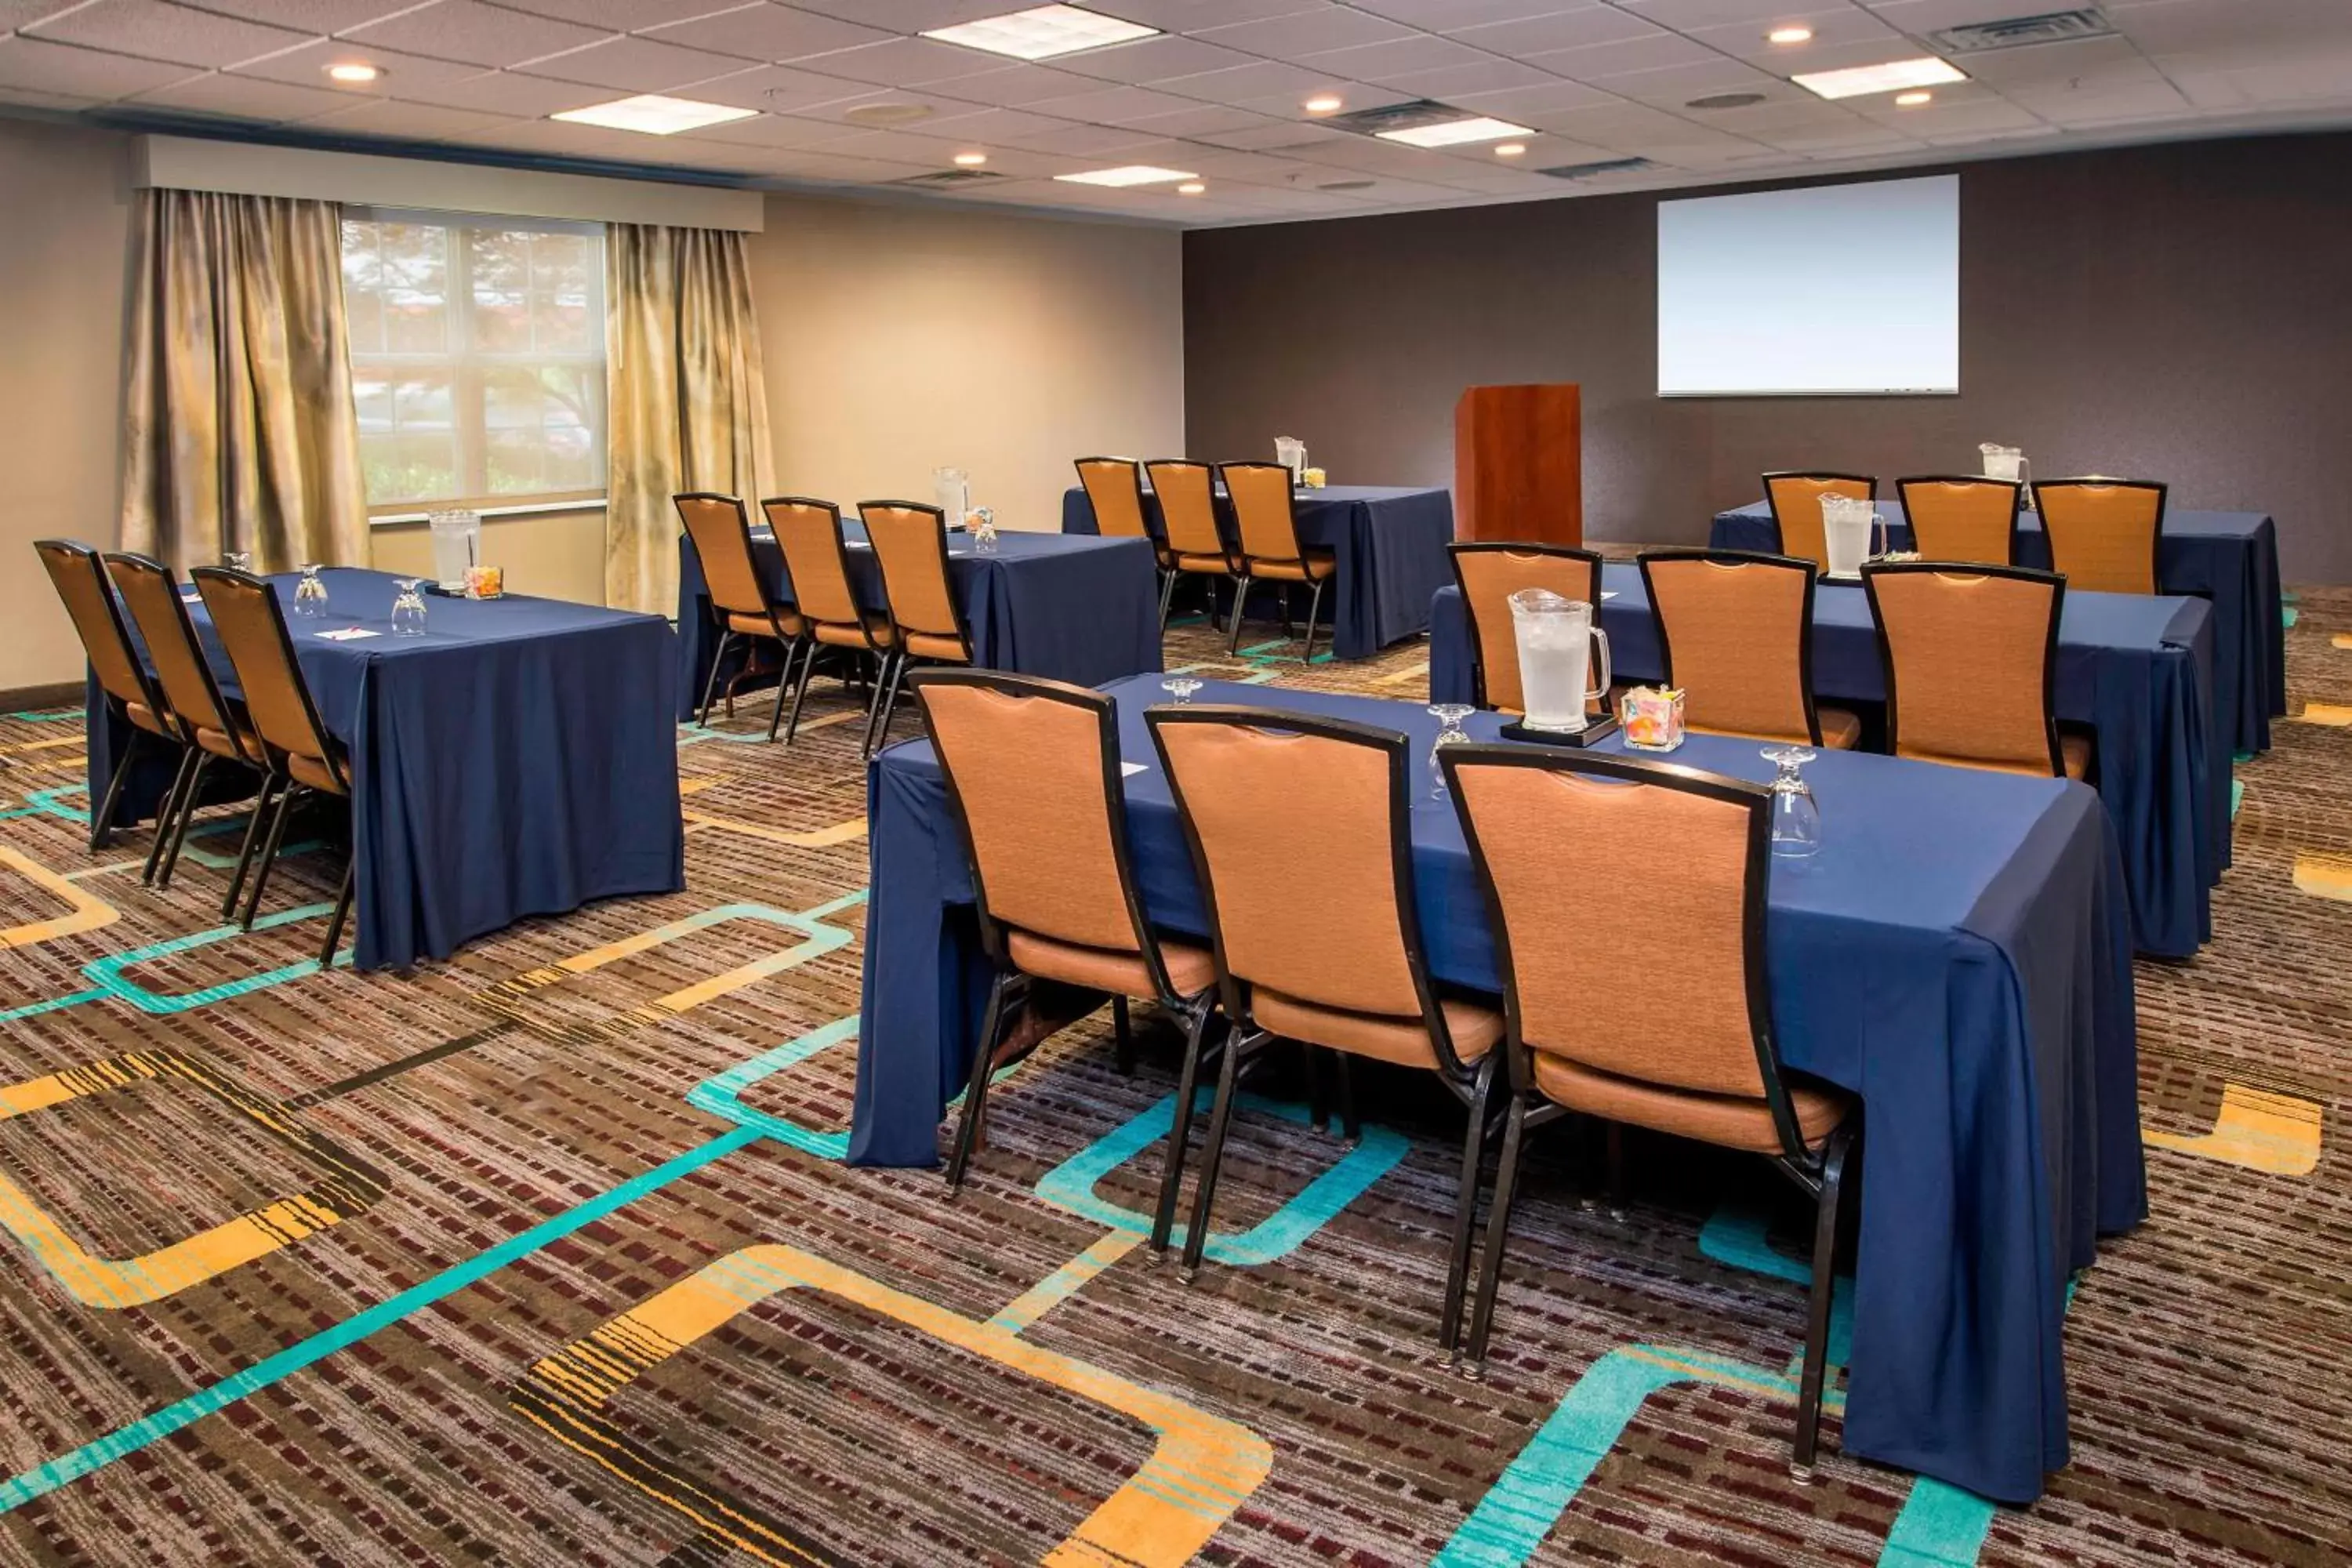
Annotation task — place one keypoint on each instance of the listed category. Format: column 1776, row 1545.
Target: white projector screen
column 1836, row 289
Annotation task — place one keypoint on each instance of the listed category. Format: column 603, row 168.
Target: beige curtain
column 238, row 431
column 689, row 403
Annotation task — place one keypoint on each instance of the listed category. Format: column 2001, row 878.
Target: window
column 477, row 358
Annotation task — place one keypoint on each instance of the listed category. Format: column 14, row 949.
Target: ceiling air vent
column 2050, row 27
column 1345, row 185
column 1593, row 170
column 1726, row 100
column 1411, row 116
column 948, row 179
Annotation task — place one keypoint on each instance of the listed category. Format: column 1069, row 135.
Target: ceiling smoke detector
column 2050, row 27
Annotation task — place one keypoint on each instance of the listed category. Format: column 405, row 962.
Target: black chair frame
column 895, row 660
column 2162, row 491
column 1874, row 569
column 1298, row 553
column 795, row 647
column 102, row 819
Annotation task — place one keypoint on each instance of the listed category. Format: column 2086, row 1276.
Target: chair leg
column 1499, row 1236
column 800, row 694
column 1179, row 1128
column 1828, row 1215
column 269, row 852
column 1318, row 1104
column 1615, row 1135
column 180, row 825
column 1314, row 608
column 253, row 827
column 101, row 822
column 710, row 685
column 1167, row 593
column 1241, row 596
column 976, row 1091
column 874, row 703
column 1124, row 1035
column 1286, row 609
column 166, row 813
column 1204, row 1187
column 1465, row 1211
column 784, row 685
column 895, row 684
column 1343, row 1068
column 343, row 910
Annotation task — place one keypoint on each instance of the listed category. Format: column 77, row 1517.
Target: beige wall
column 551, row 555
column 65, row 236
column 899, row 338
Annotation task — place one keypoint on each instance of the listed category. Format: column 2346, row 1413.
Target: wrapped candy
column 485, row 581
column 1312, row 478
column 1652, row 718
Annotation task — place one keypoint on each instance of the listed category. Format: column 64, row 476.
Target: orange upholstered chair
column 1737, row 635
column 809, row 534
column 2104, row 533
column 1272, row 802
column 1489, row 572
column 125, row 683
column 216, row 728
column 1972, row 658
column 910, row 544
column 1705, row 1065
column 1193, row 545
column 741, row 599
column 304, row 757
column 1032, row 775
column 1796, row 502
column 1266, row 519
column 1963, row 518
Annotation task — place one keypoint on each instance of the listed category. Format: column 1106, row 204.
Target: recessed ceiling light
column 1454, row 133
column 1042, row 33
column 1324, row 103
column 655, row 115
column 1893, row 76
column 1191, row 188
column 1789, row 36
column 1511, row 150
column 1912, row 100
column 1129, row 174
column 971, row 160
column 353, row 72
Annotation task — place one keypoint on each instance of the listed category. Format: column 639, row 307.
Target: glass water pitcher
column 2007, row 463
column 1852, row 532
column 951, row 493
column 457, row 547
column 1291, row 453
column 1559, row 650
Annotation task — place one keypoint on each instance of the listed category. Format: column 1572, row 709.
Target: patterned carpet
column 545, row 1255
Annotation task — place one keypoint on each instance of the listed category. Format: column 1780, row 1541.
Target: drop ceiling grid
column 1219, row 91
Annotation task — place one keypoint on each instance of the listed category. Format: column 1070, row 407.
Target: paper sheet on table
column 349, row 634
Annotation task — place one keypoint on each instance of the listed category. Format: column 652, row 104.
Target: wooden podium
column 1518, row 464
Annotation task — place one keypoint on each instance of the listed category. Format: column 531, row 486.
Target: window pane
column 363, row 288
column 540, row 427
column 416, row 288
column 499, row 262
column 567, row 294
column 403, row 468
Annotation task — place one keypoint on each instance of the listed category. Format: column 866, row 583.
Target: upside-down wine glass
column 408, row 609
column 1796, row 816
column 1449, row 716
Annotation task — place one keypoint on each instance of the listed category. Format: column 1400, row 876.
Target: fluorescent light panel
column 1892, row 76
column 1042, row 33
column 655, row 115
column 1132, row 174
column 1455, row 133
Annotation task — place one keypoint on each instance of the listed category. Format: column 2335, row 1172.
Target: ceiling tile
column 1389, row 62
column 2081, row 59
column 1685, row 16
column 64, row 103
column 1550, row 96
column 243, row 98
column 782, row 90
column 79, row 73
column 1081, row 140
column 1202, row 119
column 1307, row 32
column 909, row 15
column 1242, row 84
column 302, row 16
column 156, row 31
column 408, row 122
column 908, row 62
column 992, row 124
column 478, row 34
column 1450, row 83
column 940, row 109
column 1114, row 105
column 1561, row 30
column 1677, row 85
column 306, row 67
column 1153, row 59
column 1197, row 15
column 1016, row 84
column 766, row 32
column 772, row 130
column 636, row 65
column 1268, row 134
column 616, row 15
column 1599, row 62
column 2062, row 106
column 1437, row 15
column 506, row 92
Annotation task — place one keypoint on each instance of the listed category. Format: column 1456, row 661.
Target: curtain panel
column 689, row 398
column 239, row 431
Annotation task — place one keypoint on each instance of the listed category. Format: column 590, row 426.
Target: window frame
column 467, row 366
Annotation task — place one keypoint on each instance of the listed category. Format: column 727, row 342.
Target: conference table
column 1388, row 541
column 1080, row 610
column 2230, row 558
column 2137, row 669
column 1973, row 985
column 517, row 758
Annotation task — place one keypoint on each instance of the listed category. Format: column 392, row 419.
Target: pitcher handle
column 1601, row 650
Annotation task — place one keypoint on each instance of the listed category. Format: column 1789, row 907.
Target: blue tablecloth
column 2228, row 557
column 518, row 759
column 1959, row 954
column 1080, row 610
column 2137, row 669
column 1391, row 545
